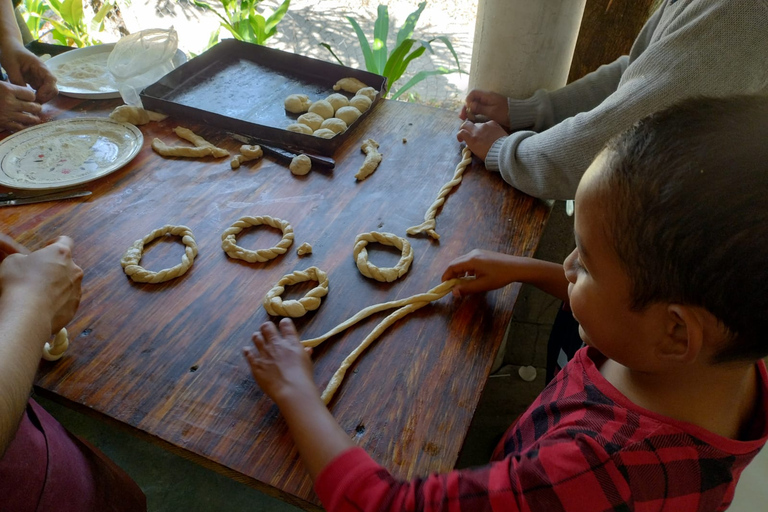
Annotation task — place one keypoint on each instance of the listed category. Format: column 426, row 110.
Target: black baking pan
column 241, row 87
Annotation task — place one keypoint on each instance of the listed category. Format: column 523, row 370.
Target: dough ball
column 299, row 128
column 322, row 108
column 300, row 165
column 368, row 92
column 324, row 133
column 312, row 119
column 337, row 101
column 361, row 103
column 349, row 84
column 347, row 114
column 297, row 103
column 335, row 124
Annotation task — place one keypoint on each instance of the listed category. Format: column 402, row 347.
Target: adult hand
column 491, row 270
column 25, row 68
column 485, row 103
column 10, row 246
column 17, row 107
column 48, row 277
column 280, row 364
column 480, row 137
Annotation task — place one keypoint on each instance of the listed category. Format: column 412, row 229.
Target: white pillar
column 524, row 45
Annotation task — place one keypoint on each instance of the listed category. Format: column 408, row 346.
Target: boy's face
column 599, row 290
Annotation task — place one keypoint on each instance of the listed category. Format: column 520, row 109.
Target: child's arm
column 494, row 270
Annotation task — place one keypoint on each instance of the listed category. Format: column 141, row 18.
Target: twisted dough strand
column 229, row 242
column 60, row 345
column 131, row 258
column 275, row 305
column 360, row 255
column 429, row 223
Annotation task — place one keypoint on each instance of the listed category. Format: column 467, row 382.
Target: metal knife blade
column 282, row 153
column 45, row 197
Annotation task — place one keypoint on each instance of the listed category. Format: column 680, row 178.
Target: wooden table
column 166, row 360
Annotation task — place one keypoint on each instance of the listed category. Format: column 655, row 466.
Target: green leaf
column 72, row 12
column 400, row 69
column 370, row 62
column 257, row 24
column 214, row 38
column 328, row 47
column 410, row 24
column 447, row 42
column 97, row 23
column 380, row 33
column 395, row 61
column 418, row 77
column 277, row 16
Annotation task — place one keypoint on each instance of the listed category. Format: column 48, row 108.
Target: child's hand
column 491, row 105
column 279, row 363
column 491, row 270
column 480, row 137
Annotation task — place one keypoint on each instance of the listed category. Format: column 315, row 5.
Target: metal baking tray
column 241, row 87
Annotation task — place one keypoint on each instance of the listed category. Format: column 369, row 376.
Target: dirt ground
column 311, row 22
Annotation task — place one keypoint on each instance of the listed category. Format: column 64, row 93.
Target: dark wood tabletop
column 166, row 360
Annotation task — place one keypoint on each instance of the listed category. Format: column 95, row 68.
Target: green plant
column 69, row 23
column 243, row 21
column 392, row 65
column 32, row 11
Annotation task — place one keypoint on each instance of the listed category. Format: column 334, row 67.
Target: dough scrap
column 247, row 153
column 348, row 114
column 405, row 307
column 131, row 258
column 300, row 165
column 384, row 275
column 368, row 92
column 349, row 84
column 324, row 133
column 135, row 115
column 337, row 101
column 304, row 249
column 372, row 159
column 429, row 223
column 234, row 251
column 335, row 124
column 297, row 103
column 361, row 103
column 322, row 108
column 202, row 147
column 274, row 304
column 53, row 352
column 311, row 119
column 299, row 128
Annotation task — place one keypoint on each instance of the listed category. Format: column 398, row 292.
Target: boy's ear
column 684, row 329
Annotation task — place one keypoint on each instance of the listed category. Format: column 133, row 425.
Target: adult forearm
column 10, row 35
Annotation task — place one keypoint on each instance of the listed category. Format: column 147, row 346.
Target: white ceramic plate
column 83, row 73
column 68, row 152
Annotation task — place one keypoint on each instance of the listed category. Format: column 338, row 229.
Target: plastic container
column 141, row 59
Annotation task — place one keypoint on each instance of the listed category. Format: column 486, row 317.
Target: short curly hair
column 688, row 195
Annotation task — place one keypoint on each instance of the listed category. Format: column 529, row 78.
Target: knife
column 284, row 154
column 67, row 194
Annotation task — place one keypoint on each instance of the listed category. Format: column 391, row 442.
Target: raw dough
column 361, row 103
column 429, row 218
column 325, row 133
column 335, row 124
column 337, row 101
column 234, row 251
column 368, row 92
column 297, row 103
column 299, row 128
column 304, row 248
column 385, row 275
column 372, row 159
column 275, row 305
column 131, row 258
column 247, row 153
column 300, row 165
column 53, row 352
column 348, row 114
column 202, row 147
column 349, row 84
column 135, row 115
column 322, row 108
column 311, row 119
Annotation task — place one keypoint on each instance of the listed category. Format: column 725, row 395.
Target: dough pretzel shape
column 131, row 258
column 429, row 223
column 368, row 269
column 276, row 306
column 53, row 352
column 229, row 242
column 405, row 307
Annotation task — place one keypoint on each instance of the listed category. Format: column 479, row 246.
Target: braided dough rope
column 429, row 223
column 229, row 242
column 275, row 305
column 385, row 275
column 406, row 306
column 131, row 258
column 60, row 345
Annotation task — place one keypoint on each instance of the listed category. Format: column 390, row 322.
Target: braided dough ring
column 131, row 258
column 229, row 242
column 360, row 254
column 275, row 306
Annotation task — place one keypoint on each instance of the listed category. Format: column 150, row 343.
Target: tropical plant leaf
column 370, row 62
column 97, row 23
column 406, row 32
column 276, row 17
column 257, row 24
column 328, row 47
column 398, row 72
column 447, row 43
column 72, row 12
column 380, row 34
column 418, row 77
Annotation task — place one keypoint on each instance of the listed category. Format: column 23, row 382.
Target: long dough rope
column 429, row 218
column 131, row 258
column 372, row 159
column 202, row 147
column 360, row 255
column 229, row 242
column 60, row 345
column 275, row 305
column 406, row 306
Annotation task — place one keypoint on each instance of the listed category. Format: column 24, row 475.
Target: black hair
column 688, row 202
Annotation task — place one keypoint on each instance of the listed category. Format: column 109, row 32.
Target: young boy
column 669, row 401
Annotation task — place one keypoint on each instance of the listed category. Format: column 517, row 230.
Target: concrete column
column 524, row 45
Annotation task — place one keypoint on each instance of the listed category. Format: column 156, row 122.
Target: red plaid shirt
column 581, row 446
